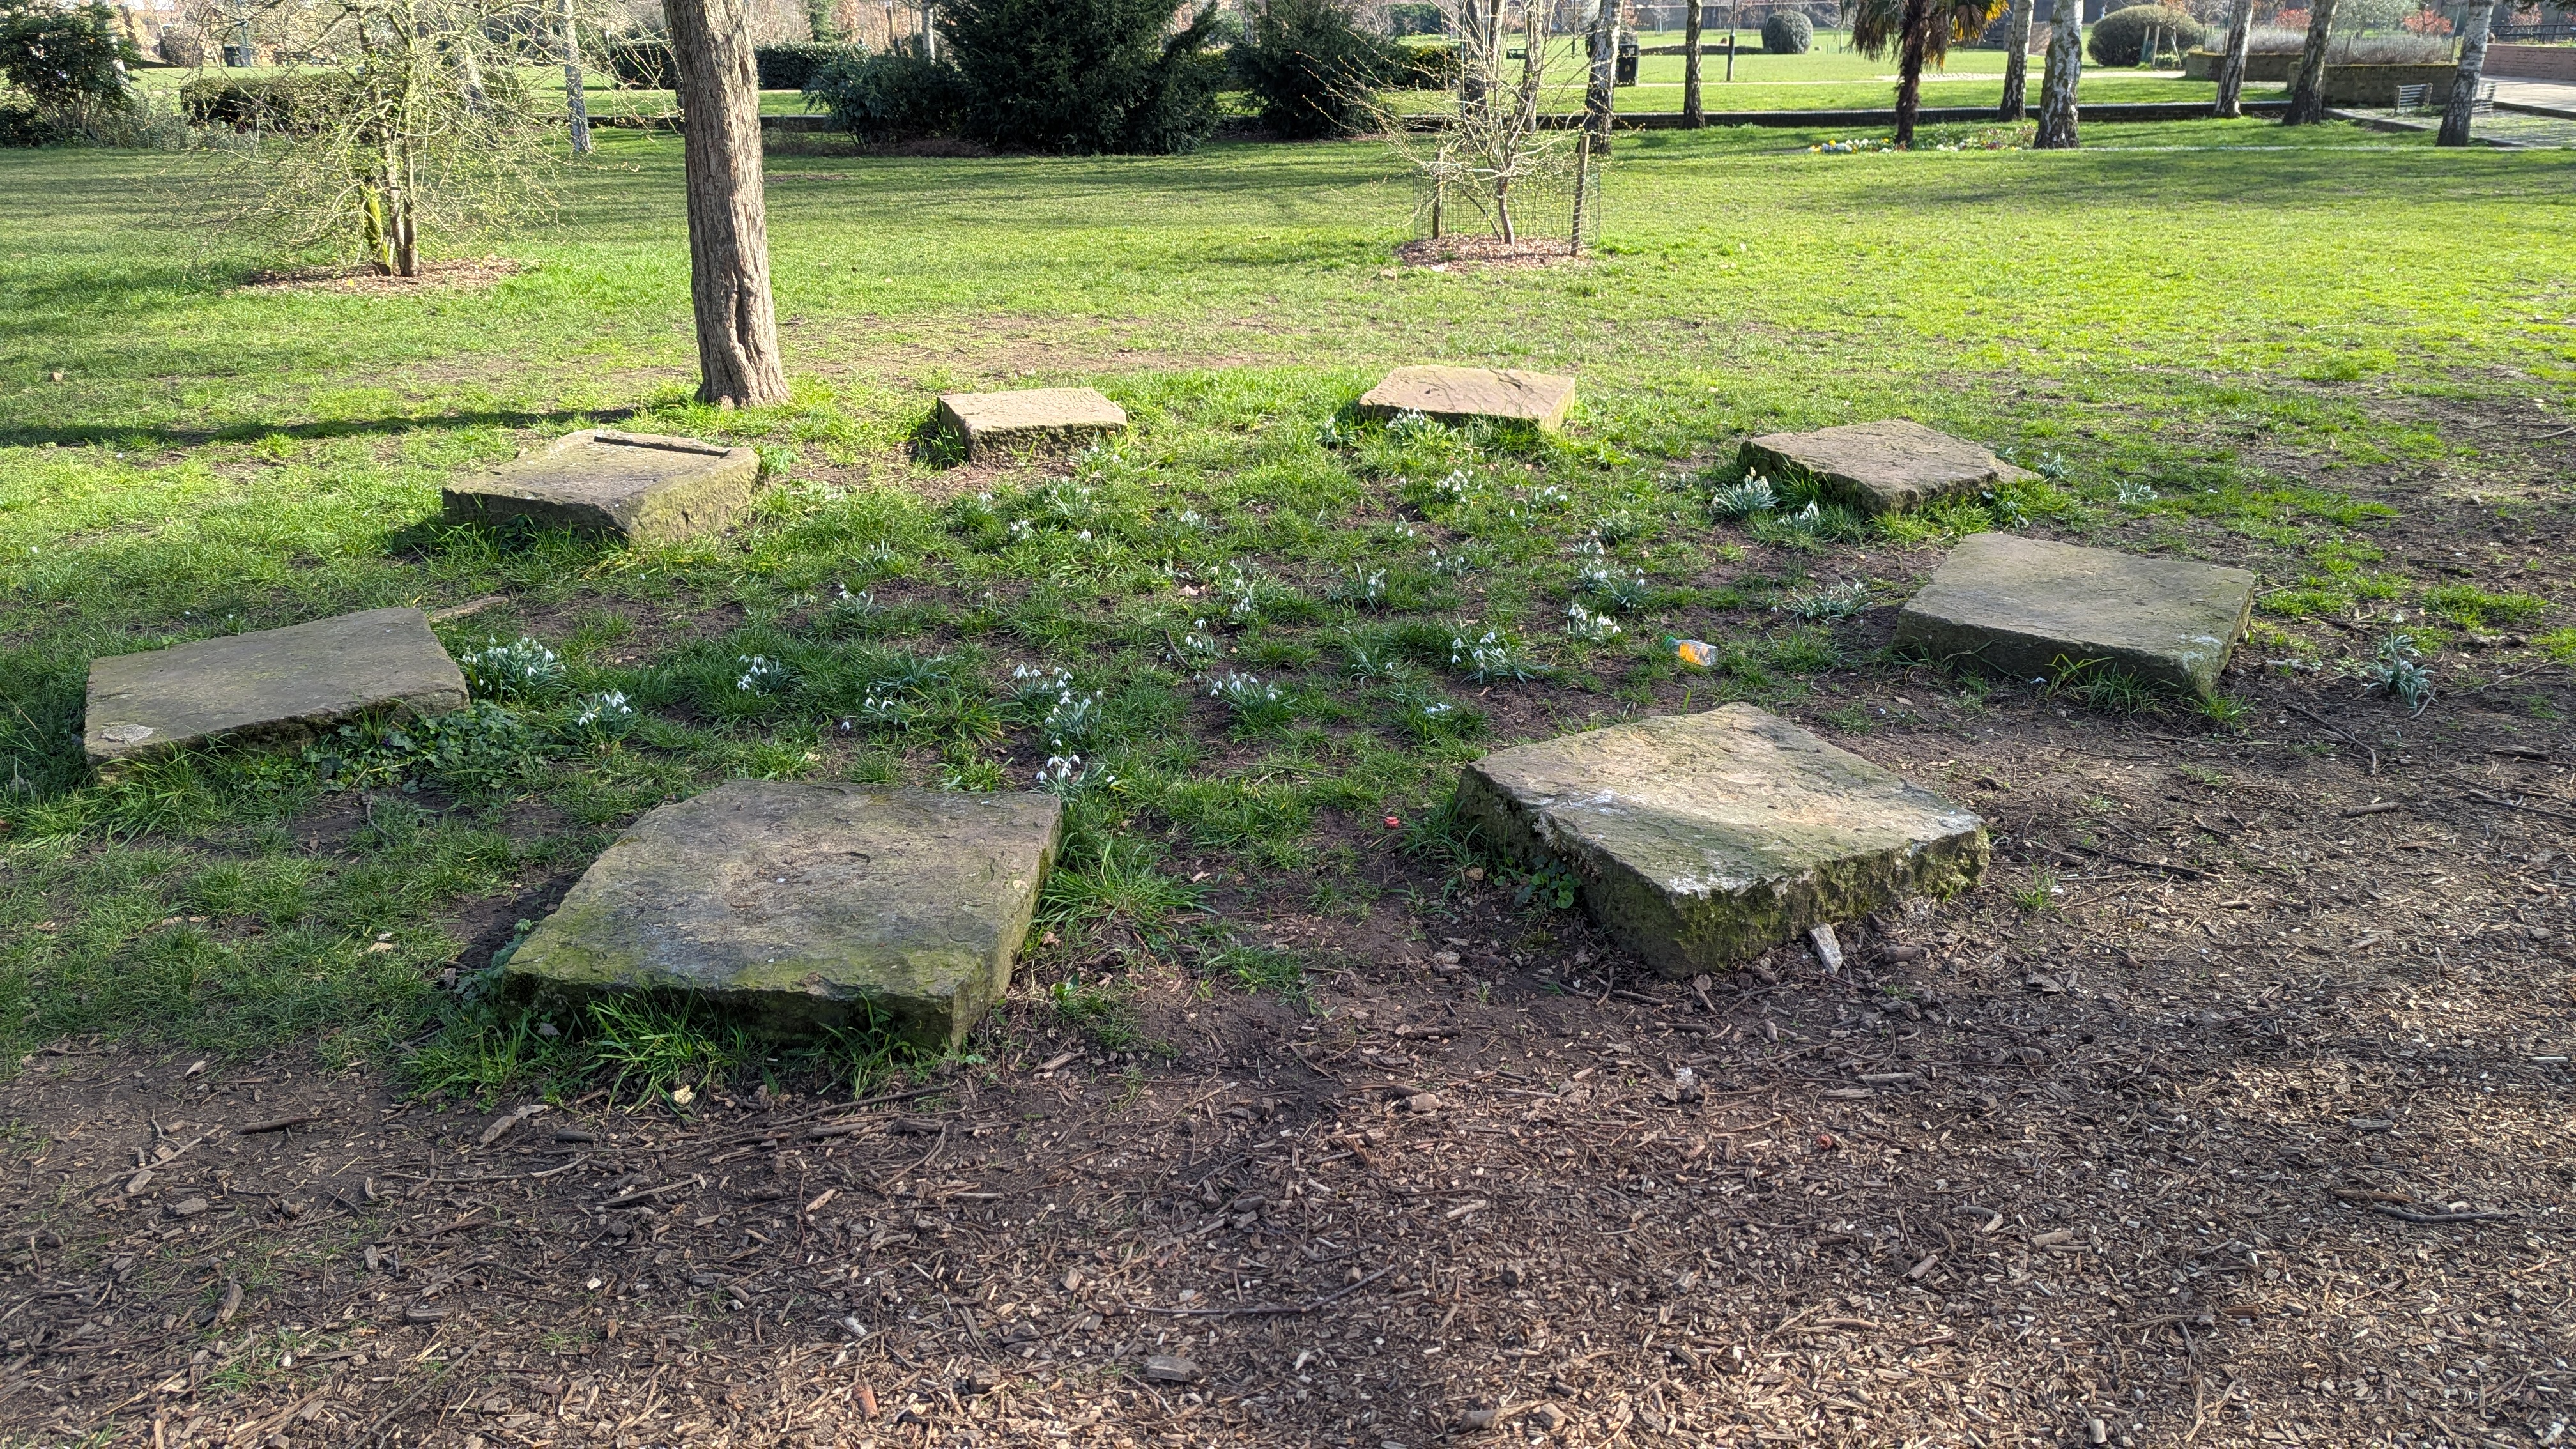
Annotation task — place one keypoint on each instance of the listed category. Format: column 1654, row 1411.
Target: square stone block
column 807, row 904
column 2029, row 608
column 1876, row 468
column 1456, row 395
column 640, row 487
column 1702, row 840
column 1032, row 418
column 271, row 684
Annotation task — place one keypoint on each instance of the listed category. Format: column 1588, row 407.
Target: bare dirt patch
column 460, row 274
column 1482, row 253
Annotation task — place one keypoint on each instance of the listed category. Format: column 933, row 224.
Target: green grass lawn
column 2227, row 327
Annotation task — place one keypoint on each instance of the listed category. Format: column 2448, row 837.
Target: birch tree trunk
column 1692, row 115
column 2016, row 101
column 2464, row 82
column 576, row 104
column 2231, row 65
column 2308, row 97
column 2057, row 86
column 719, row 91
column 1605, row 59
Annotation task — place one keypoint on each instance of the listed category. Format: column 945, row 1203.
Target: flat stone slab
column 1875, row 468
column 640, row 487
column 2032, row 609
column 808, row 904
column 1457, row 395
column 271, row 684
column 1032, row 418
column 1702, row 840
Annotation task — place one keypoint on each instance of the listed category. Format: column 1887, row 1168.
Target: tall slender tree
column 1692, row 115
column 2016, row 101
column 2231, row 61
column 719, row 86
column 2057, row 86
column 2308, row 94
column 1605, row 61
column 576, row 104
column 2462, row 108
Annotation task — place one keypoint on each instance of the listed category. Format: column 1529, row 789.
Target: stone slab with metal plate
column 268, row 684
column 2035, row 610
column 1031, row 419
column 1456, row 395
column 640, row 487
column 1875, row 468
column 807, row 905
column 1702, row 840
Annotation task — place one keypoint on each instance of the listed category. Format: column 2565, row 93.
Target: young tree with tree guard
column 2308, row 93
column 1921, row 32
column 2057, row 85
column 2462, row 107
column 719, row 90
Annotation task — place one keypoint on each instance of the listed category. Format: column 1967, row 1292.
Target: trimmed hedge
column 1424, row 68
column 645, row 65
column 2120, row 38
column 1788, row 32
column 263, row 103
column 888, row 97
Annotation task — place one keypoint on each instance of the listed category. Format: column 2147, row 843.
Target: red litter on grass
column 1394, row 824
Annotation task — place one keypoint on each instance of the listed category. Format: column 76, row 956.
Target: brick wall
column 2531, row 62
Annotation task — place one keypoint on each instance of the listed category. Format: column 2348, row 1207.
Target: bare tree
column 2057, row 85
column 576, row 104
column 1478, row 162
column 2462, row 108
column 719, row 91
column 2231, row 62
column 1692, row 115
column 387, row 128
column 2016, row 99
column 2308, row 95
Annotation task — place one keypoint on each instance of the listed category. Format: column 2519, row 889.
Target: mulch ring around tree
column 457, row 274
column 1463, row 253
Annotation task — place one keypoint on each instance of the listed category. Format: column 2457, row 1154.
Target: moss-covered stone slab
column 806, row 905
column 1457, row 395
column 1702, row 840
column 1875, row 468
column 640, row 487
column 1030, row 419
column 2036, row 610
column 270, row 684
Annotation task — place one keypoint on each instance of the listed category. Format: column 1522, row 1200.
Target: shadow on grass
column 85, row 435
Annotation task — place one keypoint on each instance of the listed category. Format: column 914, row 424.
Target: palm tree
column 1919, row 31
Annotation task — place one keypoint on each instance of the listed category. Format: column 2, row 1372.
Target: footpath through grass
column 1261, row 630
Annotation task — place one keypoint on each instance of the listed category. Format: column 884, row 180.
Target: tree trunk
column 1692, row 115
column 2464, row 82
column 2057, row 85
column 2016, row 99
column 2231, row 65
column 929, row 38
column 1479, row 59
column 404, row 215
column 576, row 104
column 2308, row 97
column 719, row 89
column 1909, row 69
column 1605, row 59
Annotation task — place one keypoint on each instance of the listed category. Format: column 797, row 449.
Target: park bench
column 2412, row 98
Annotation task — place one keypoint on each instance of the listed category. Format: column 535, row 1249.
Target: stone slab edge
column 112, row 760
column 1552, row 421
column 982, row 442
column 586, row 978
column 691, row 506
column 2025, row 656
column 1783, row 471
column 1715, row 937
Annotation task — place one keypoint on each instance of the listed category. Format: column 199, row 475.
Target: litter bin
column 1626, row 72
